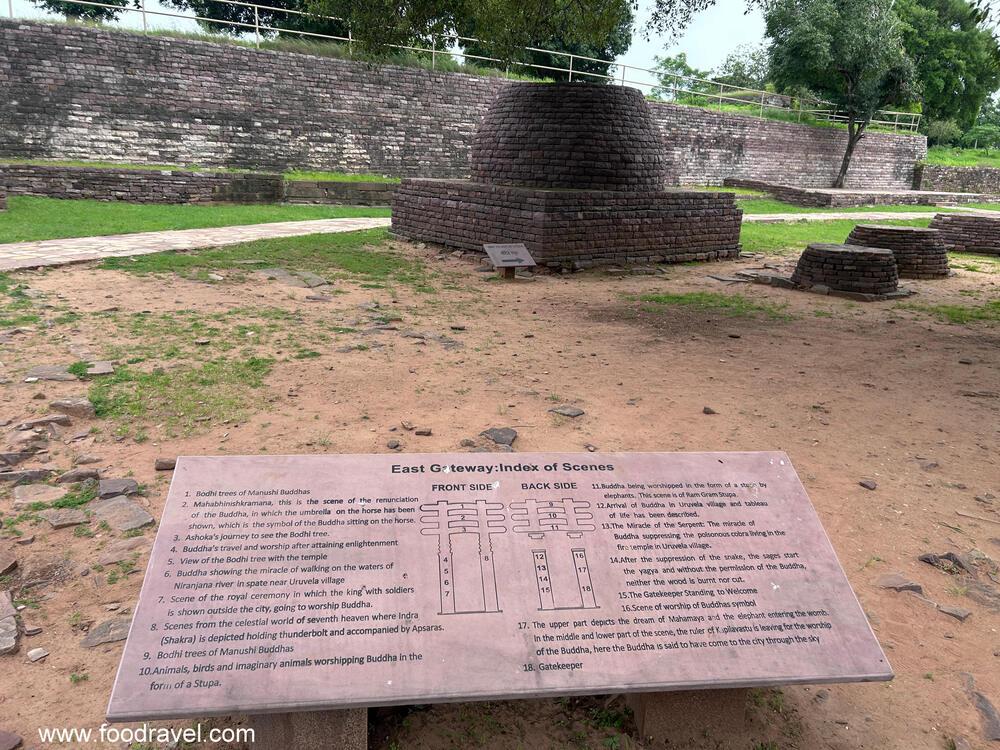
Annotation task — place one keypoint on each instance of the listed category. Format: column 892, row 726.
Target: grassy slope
column 962, row 157
column 30, row 218
column 771, row 206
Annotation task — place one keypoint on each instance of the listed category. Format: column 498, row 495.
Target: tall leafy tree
column 73, row 11
column 673, row 67
column 746, row 66
column 957, row 60
column 848, row 52
column 608, row 48
column 273, row 16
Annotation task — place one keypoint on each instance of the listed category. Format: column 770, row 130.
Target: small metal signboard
column 509, row 257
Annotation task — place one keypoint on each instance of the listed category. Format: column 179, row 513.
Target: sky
column 711, row 37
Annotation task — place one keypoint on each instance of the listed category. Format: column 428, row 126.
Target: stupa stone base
column 969, row 233
column 920, row 253
column 847, row 268
column 571, row 228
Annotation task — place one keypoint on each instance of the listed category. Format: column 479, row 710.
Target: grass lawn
column 947, row 156
column 299, row 175
column 29, row 218
column 772, row 206
column 778, row 238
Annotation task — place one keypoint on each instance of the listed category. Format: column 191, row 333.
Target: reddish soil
column 849, row 390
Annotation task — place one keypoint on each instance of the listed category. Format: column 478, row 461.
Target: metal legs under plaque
column 312, row 730
column 685, row 718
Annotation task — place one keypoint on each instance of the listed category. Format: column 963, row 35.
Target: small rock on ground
column 113, row 487
column 78, row 475
column 121, row 514
column 75, row 407
column 85, row 459
column 957, row 612
column 7, row 608
column 165, row 464
column 123, row 549
column 101, row 367
column 868, row 484
column 50, row 372
column 9, row 740
column 7, row 561
column 109, row 631
column 8, row 635
column 567, row 411
column 26, row 494
column 59, row 419
column 60, row 518
column 37, row 654
column 423, row 431
column 708, row 410
column 899, row 582
column 393, row 445
column 500, row 435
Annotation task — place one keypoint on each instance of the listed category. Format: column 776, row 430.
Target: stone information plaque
column 514, row 255
column 282, row 583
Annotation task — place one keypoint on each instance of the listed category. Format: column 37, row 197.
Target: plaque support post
column 686, row 718
column 345, row 729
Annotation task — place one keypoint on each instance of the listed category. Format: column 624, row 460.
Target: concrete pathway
column 16, row 255
column 874, row 215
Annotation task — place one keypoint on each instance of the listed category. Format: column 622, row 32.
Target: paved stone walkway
column 58, row 252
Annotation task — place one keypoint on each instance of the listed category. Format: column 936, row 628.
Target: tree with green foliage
column 848, row 52
column 674, row 72
column 942, row 132
column 746, row 67
column 74, row 12
column 238, row 20
column 593, row 71
column 957, row 60
column 982, row 136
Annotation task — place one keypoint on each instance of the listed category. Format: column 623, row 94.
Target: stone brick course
column 140, row 185
column 957, row 179
column 826, row 197
column 968, row 233
column 333, row 192
column 75, row 92
column 569, row 136
column 920, row 253
column 579, row 228
column 847, row 268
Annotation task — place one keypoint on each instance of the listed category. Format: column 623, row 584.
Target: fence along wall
column 82, row 93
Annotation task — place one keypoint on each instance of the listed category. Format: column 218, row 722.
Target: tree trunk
column 854, row 132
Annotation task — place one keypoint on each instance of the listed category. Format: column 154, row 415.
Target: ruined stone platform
column 575, row 228
column 850, row 197
column 920, row 253
column 974, row 234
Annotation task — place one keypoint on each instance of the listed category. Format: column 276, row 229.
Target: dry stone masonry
column 847, row 268
column 968, row 233
column 333, row 192
column 74, row 92
column 957, row 179
column 570, row 185
column 141, row 185
column 826, row 197
column 920, row 253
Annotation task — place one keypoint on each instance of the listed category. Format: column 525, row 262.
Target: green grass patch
column 959, row 314
column 773, row 206
column 15, row 304
column 347, row 255
column 181, row 397
column 29, row 218
column 760, row 237
column 987, row 206
column 947, row 156
column 304, row 175
column 975, row 262
column 733, row 305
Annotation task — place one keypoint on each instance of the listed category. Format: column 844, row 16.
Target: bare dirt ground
column 849, row 390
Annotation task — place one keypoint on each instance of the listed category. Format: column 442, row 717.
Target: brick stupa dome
column 571, row 136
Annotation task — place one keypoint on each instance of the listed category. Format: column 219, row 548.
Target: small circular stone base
column 920, row 253
column 847, row 268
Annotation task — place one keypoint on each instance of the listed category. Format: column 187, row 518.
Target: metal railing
column 669, row 87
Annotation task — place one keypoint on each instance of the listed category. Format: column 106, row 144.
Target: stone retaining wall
column 957, row 179
column 141, row 185
column 340, row 193
column 74, row 92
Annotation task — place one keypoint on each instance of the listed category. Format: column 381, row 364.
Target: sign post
column 508, row 258
column 309, row 583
